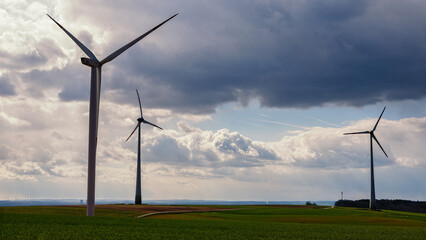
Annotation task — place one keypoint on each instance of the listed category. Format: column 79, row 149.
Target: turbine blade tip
column 50, row 17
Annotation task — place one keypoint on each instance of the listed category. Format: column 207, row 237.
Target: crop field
column 215, row 222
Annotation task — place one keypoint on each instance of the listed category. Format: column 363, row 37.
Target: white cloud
column 321, row 161
column 317, row 147
column 329, row 148
column 13, row 121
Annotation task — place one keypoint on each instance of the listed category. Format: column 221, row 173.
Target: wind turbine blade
column 140, row 105
column 81, row 45
column 144, row 121
column 137, row 125
column 377, row 141
column 356, row 133
column 378, row 120
column 124, row 48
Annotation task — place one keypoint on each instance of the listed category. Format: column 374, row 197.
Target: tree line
column 386, row 204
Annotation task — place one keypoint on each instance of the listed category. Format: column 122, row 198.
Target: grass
column 247, row 222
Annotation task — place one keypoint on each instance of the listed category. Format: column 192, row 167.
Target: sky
column 254, row 97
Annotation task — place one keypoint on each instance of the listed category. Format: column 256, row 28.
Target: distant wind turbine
column 95, row 92
column 372, row 189
column 138, row 197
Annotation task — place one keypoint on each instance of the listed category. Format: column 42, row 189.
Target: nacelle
column 89, row 62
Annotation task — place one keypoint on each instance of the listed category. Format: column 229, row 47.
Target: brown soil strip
column 293, row 206
column 186, row 211
column 154, row 208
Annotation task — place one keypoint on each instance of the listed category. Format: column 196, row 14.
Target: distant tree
column 387, row 204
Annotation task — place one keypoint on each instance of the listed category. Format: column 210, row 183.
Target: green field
column 246, row 222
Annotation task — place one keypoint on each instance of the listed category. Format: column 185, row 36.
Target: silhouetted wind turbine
column 138, row 197
column 372, row 189
column 95, row 90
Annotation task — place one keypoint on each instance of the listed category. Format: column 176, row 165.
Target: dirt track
column 294, row 206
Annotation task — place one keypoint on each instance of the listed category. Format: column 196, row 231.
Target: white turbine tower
column 95, row 89
column 138, row 196
column 372, row 189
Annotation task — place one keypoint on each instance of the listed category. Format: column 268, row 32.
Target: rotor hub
column 89, row 62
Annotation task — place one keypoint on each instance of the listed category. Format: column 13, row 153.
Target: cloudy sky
column 254, row 97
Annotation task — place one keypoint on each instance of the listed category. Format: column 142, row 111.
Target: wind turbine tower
column 95, row 92
column 372, row 189
column 138, row 196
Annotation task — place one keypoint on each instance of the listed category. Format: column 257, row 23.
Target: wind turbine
column 372, row 189
column 138, row 197
column 95, row 91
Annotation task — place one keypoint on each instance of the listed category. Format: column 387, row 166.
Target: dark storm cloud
column 6, row 87
column 43, row 49
column 333, row 10
column 73, row 80
column 21, row 61
column 285, row 53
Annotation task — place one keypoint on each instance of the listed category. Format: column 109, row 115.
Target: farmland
column 241, row 222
